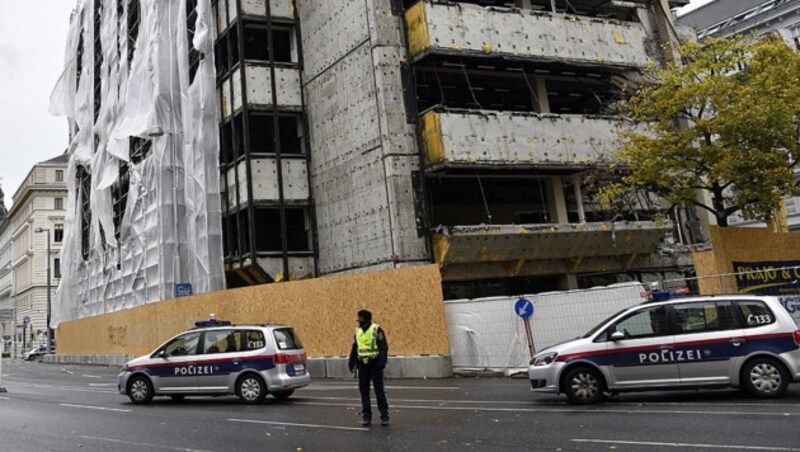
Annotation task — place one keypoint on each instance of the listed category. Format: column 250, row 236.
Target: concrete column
column 540, row 102
column 556, row 201
column 526, row 4
column 569, row 282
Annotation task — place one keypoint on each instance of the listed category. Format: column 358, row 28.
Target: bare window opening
column 227, row 50
column 79, row 62
column 457, row 87
column 119, row 197
column 134, row 17
column 454, row 290
column 84, row 184
column 195, row 56
column 498, row 86
column 471, row 200
column 262, row 134
column 231, row 147
column 58, row 233
column 636, row 206
column 98, row 58
column 569, row 97
column 268, row 229
column 256, row 43
column 139, row 149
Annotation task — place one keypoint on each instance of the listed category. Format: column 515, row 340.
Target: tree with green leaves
column 718, row 131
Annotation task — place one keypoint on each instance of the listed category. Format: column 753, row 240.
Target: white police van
column 218, row 358
column 749, row 342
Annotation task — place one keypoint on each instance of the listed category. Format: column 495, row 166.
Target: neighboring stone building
column 6, row 286
column 722, row 18
column 290, row 139
column 40, row 202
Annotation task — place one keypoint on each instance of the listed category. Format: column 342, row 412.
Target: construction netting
column 143, row 210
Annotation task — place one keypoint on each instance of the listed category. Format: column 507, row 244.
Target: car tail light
column 797, row 337
column 282, row 358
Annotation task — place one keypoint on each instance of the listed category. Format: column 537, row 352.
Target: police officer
column 369, row 354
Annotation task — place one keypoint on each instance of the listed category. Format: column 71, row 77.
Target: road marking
column 91, row 376
column 462, row 402
column 63, row 388
column 320, row 387
column 292, row 424
column 5, row 398
column 89, row 407
column 129, row 443
column 102, row 384
column 557, row 410
column 695, row 446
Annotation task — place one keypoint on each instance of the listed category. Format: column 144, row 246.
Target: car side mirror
column 162, row 354
column 617, row 336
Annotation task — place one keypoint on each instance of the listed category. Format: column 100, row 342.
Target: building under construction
column 237, row 142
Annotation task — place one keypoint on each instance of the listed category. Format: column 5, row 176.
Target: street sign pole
column 524, row 308
column 2, row 388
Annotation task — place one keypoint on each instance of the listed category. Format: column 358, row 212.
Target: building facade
column 38, row 210
column 720, row 19
column 6, row 286
column 278, row 140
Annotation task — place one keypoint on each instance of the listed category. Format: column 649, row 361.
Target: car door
column 641, row 358
column 176, row 372
column 219, row 361
column 707, row 341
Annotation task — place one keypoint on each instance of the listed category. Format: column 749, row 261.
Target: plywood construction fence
column 407, row 302
column 729, row 245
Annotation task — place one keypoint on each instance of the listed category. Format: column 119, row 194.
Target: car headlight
column 544, row 359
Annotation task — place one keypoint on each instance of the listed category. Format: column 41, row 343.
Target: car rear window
column 287, row 339
column 253, row 339
column 756, row 313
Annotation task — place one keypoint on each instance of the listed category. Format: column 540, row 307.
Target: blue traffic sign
column 523, row 308
column 183, row 290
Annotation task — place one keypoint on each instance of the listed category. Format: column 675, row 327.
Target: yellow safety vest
column 367, row 342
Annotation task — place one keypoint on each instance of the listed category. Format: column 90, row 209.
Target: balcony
column 467, row 29
column 500, row 251
column 259, row 89
column 265, row 181
column 489, row 139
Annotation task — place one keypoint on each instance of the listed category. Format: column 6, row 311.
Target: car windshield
column 602, row 324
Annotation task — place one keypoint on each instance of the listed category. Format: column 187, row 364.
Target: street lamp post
column 49, row 332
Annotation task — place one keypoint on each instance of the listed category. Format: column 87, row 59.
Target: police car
column 218, row 358
column 700, row 342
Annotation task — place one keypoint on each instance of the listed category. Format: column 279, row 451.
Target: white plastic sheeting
column 486, row 333
column 170, row 232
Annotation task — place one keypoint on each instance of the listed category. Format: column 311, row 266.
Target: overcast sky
column 32, row 41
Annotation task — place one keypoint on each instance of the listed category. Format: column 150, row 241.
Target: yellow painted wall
column 407, row 302
column 741, row 245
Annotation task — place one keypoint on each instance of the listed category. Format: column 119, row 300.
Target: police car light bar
column 664, row 295
column 212, row 322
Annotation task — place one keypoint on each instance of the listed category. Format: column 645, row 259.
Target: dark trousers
column 372, row 373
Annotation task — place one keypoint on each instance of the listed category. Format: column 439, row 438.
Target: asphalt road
column 69, row 408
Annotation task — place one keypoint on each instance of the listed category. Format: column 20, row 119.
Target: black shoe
column 366, row 421
column 385, row 422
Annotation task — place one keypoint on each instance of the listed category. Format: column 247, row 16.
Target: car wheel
column 177, row 398
column 283, row 395
column 583, row 385
column 251, row 389
column 140, row 390
column 764, row 377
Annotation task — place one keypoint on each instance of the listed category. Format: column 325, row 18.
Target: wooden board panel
column 406, row 302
